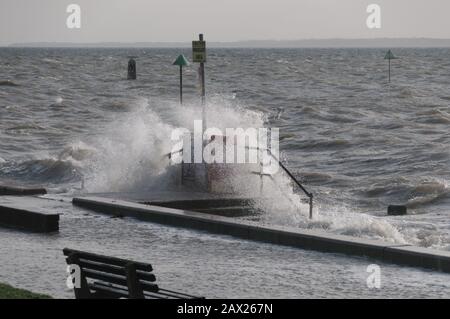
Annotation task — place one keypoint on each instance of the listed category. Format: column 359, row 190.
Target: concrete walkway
column 305, row 239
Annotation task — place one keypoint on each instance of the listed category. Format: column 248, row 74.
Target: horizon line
column 332, row 42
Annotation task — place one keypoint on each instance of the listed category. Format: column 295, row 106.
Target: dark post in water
column 389, row 56
column 131, row 69
column 181, row 61
column 202, row 68
column 199, row 56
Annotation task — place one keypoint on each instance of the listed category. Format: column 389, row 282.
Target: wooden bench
column 103, row 277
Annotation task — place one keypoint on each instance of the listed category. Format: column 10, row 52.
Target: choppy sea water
column 70, row 121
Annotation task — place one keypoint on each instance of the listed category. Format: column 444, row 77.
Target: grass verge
column 8, row 292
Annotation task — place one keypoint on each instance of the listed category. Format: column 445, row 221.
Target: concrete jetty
column 27, row 213
column 21, row 191
column 305, row 239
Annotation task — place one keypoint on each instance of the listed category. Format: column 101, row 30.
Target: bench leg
column 83, row 292
column 135, row 290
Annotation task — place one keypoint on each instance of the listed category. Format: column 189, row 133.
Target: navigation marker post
column 132, row 72
column 199, row 56
column 390, row 56
column 181, row 61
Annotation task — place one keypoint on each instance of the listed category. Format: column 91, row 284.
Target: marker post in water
column 181, row 61
column 199, row 56
column 132, row 69
column 390, row 56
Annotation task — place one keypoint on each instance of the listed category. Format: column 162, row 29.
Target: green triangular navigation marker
column 181, row 61
column 390, row 56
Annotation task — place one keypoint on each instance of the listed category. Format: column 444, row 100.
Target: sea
column 70, row 121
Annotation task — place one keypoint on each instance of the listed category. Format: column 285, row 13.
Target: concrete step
column 196, row 204
column 229, row 211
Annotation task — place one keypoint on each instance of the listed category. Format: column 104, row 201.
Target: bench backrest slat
column 107, row 260
column 112, row 269
column 118, row 280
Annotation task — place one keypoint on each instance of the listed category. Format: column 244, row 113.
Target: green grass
column 8, row 292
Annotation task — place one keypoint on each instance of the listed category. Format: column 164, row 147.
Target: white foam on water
column 58, row 100
column 77, row 152
column 346, row 222
column 129, row 152
column 422, row 230
column 338, row 220
column 428, row 191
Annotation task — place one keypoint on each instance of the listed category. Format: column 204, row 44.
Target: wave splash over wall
column 128, row 155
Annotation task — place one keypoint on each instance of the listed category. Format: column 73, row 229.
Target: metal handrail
column 285, row 169
column 292, row 177
column 169, row 155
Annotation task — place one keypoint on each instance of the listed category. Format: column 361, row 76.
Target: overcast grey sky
column 220, row 20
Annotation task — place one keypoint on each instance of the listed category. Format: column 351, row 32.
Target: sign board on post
column 199, row 51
